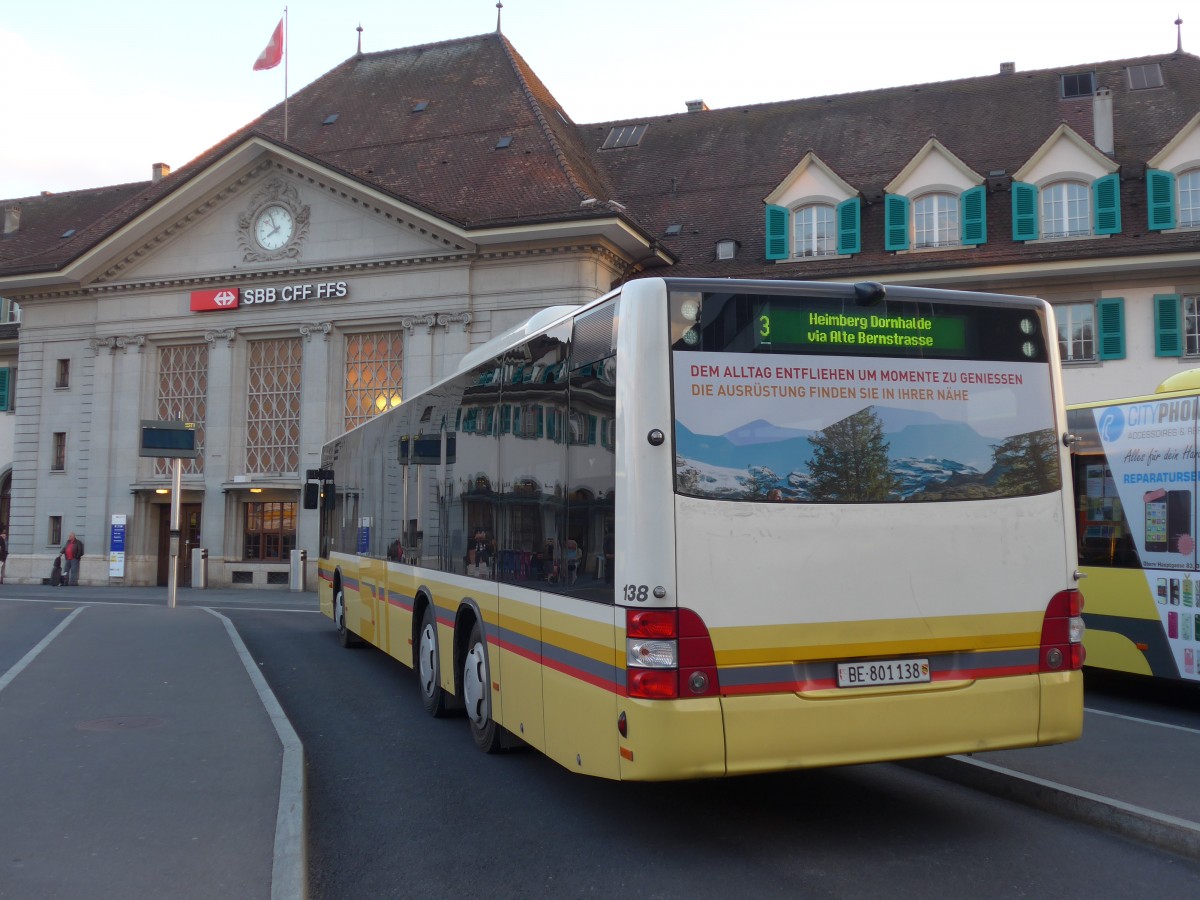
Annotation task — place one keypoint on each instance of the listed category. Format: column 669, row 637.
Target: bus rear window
column 815, row 399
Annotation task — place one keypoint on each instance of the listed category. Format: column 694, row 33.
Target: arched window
column 1066, row 209
column 1189, row 199
column 935, row 221
column 815, row 232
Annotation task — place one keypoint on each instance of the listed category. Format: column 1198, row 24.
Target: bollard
column 199, row 567
column 297, row 575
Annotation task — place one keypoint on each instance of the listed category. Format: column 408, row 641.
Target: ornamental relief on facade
column 274, row 224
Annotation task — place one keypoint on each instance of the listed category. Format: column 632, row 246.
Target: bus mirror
column 330, row 496
column 312, row 495
column 868, row 293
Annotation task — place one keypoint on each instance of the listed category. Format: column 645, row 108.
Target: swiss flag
column 273, row 54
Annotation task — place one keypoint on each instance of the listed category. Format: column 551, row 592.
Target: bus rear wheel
column 477, row 694
column 345, row 635
column 429, row 666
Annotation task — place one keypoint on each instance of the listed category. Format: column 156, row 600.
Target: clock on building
column 274, row 227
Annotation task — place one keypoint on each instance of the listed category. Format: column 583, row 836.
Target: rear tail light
column 668, row 655
column 1062, row 633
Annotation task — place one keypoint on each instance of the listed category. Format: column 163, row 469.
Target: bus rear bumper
column 860, row 725
column 775, row 732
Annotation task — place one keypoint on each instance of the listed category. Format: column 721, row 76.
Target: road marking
column 1113, row 715
column 289, row 871
column 29, row 657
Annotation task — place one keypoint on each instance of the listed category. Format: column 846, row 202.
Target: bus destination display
column 866, row 332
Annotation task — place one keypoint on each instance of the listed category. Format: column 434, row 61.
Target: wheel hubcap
column 428, row 663
column 475, row 686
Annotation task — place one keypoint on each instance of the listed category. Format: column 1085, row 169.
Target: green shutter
column 1024, row 211
column 849, row 222
column 5, row 400
column 895, row 222
column 1110, row 322
column 778, row 218
column 1106, row 204
column 1160, row 199
column 973, row 214
column 1168, row 329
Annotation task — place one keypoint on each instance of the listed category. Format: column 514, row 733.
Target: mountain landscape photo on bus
column 876, row 453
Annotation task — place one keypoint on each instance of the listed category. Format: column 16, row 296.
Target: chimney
column 696, row 106
column 1007, row 68
column 1102, row 120
column 159, row 171
column 12, row 220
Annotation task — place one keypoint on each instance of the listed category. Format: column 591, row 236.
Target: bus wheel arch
column 427, row 661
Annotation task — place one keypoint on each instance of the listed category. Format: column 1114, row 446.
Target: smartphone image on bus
column 1168, row 518
column 1174, row 591
column 1173, row 625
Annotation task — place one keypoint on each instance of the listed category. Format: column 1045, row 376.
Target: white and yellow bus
column 701, row 528
column 1135, row 477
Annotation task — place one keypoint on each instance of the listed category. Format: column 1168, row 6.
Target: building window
column 1191, row 325
column 1076, row 331
column 1078, row 84
column 62, row 374
column 374, row 374
column 624, row 136
column 815, row 232
column 54, row 532
column 1066, row 209
column 1142, row 77
column 270, row 531
column 935, row 221
column 1189, row 199
column 58, row 451
column 273, row 407
column 183, row 397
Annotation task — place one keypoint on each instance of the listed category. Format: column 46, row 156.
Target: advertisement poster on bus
column 847, row 429
column 1151, row 453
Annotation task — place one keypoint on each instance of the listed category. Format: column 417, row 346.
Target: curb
column 289, row 870
column 1170, row 833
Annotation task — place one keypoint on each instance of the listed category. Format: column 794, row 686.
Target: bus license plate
column 883, row 671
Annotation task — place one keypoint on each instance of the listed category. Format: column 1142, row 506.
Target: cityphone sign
column 223, row 299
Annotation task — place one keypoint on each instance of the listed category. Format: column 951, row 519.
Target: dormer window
column 813, row 213
column 1066, row 210
column 935, row 221
column 815, row 231
column 1174, row 201
column 1189, row 199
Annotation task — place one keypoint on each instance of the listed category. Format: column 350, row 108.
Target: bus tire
column 345, row 635
column 477, row 694
column 429, row 666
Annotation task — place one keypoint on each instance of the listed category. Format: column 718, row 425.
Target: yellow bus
column 699, row 528
column 1135, row 478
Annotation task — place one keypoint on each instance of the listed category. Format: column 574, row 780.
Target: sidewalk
column 1125, row 775
column 142, row 755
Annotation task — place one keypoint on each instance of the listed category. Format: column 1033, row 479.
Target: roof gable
column 1065, row 153
column 933, row 166
column 811, row 179
column 1182, row 151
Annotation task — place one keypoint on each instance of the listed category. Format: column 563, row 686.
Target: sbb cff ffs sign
column 233, row 298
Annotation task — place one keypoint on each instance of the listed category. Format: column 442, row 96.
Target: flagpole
column 285, row 74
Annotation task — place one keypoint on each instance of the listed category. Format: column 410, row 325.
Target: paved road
column 140, row 756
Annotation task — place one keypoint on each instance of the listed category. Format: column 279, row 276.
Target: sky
column 95, row 93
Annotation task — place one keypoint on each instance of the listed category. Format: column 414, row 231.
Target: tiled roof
column 709, row 171
column 706, row 171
